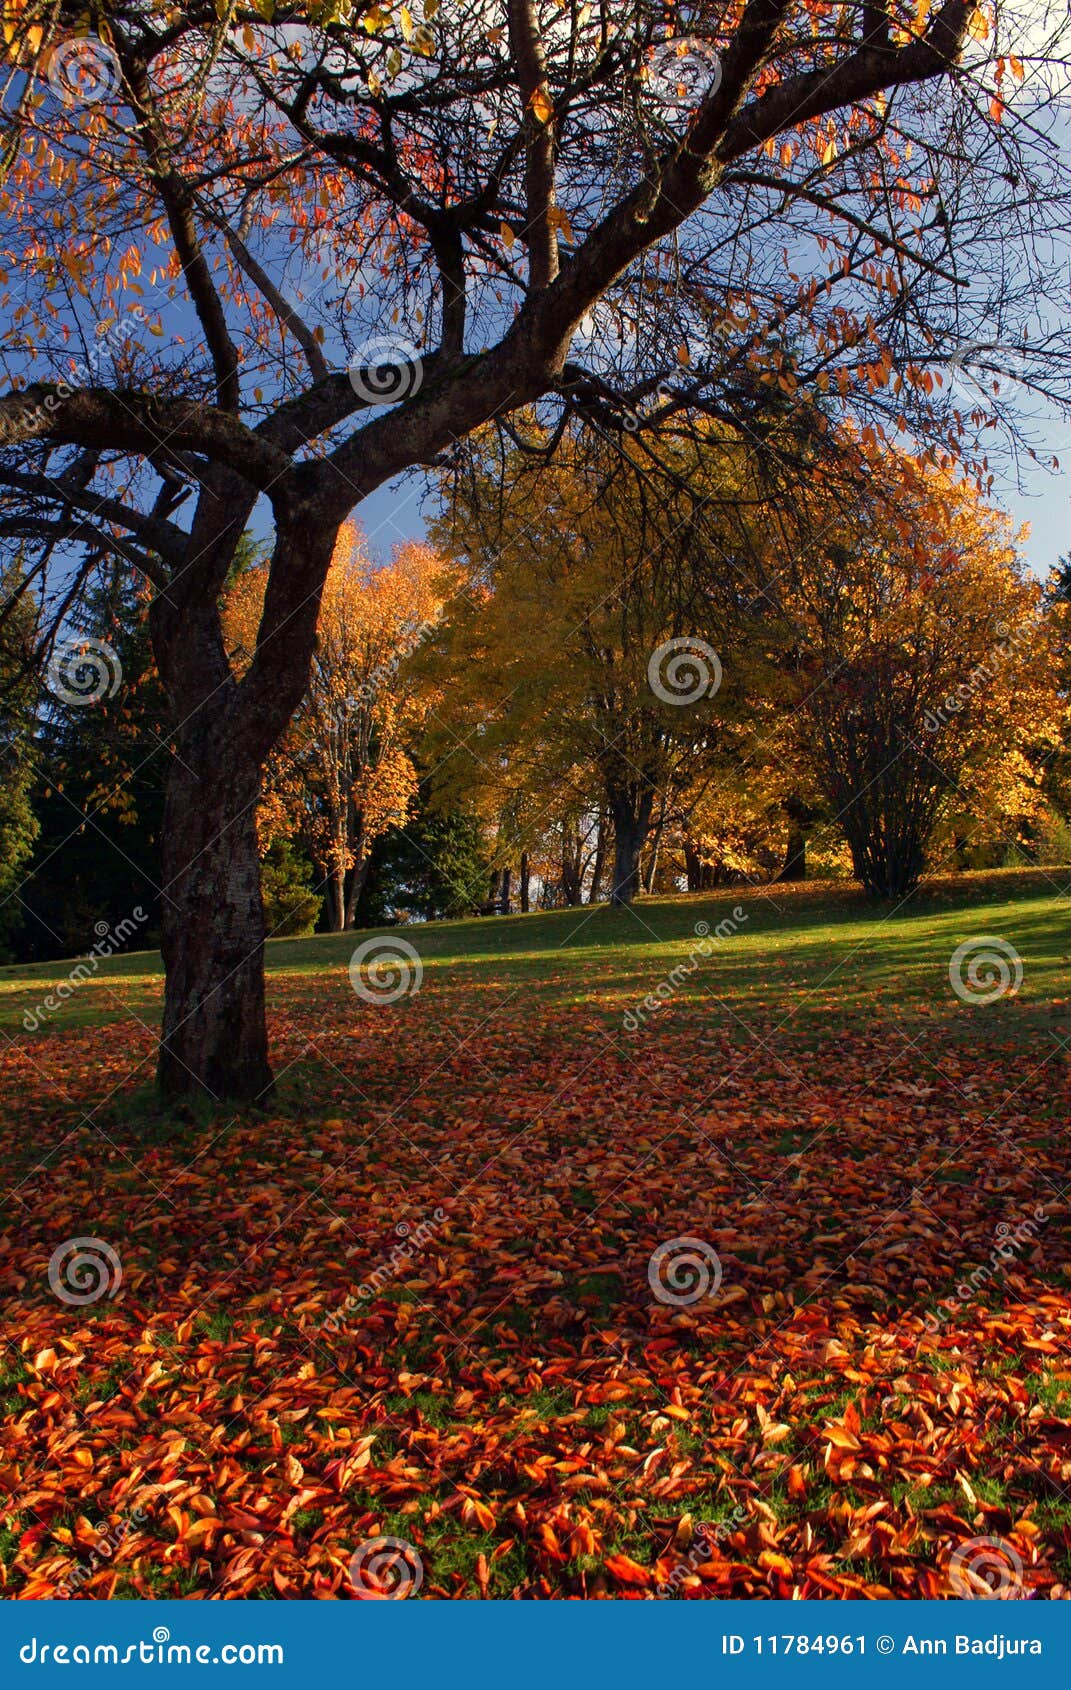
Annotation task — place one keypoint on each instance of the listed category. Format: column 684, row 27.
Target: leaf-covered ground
column 416, row 1300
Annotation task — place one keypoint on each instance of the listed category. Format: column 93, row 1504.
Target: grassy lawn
column 427, row 1295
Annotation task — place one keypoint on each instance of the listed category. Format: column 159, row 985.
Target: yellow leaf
column 541, row 106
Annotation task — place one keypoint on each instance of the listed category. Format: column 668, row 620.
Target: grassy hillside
column 825, row 945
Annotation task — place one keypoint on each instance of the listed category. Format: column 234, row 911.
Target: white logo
column 384, row 970
column 386, row 1567
column 84, row 671
column 83, row 1270
column 83, row 70
column 384, row 371
column 683, row 72
column 993, row 967
column 986, row 1569
column 684, row 670
column 684, row 1271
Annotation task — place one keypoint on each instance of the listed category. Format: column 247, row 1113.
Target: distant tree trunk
column 358, row 876
column 701, row 876
column 888, row 867
column 630, row 808
column 795, row 864
column 599, row 866
column 652, row 866
column 572, row 890
column 336, row 903
column 504, row 905
column 526, row 883
column 799, row 817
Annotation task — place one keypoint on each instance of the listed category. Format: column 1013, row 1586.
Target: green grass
column 805, row 949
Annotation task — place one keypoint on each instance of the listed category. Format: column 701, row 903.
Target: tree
column 343, row 774
column 435, row 869
column 598, row 684
column 465, row 199
column 924, row 667
column 98, row 759
column 18, row 823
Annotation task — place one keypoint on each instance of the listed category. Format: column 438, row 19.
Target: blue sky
column 1045, row 503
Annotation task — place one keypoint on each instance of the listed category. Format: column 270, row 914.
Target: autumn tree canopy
column 261, row 259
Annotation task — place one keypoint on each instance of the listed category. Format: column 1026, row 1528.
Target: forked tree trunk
column 215, row 1040
column 631, row 812
column 214, row 1033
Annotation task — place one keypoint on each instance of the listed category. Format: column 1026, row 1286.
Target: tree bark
column 795, row 864
column 526, row 883
column 600, row 861
column 631, row 812
column 338, row 899
column 358, row 876
column 215, row 1040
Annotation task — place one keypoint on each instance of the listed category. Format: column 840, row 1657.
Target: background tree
column 19, row 825
column 266, row 199
column 924, row 666
column 595, row 685
column 98, row 761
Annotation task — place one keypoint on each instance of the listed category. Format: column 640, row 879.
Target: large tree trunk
column 214, row 1034
column 215, row 1040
